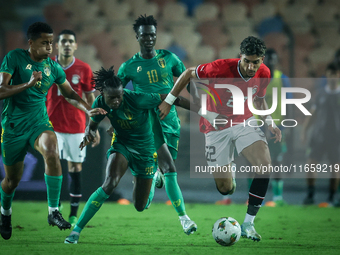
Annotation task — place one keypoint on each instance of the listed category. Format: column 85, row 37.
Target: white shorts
column 220, row 145
column 69, row 147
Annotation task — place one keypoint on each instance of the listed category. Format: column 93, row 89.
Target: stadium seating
column 216, row 26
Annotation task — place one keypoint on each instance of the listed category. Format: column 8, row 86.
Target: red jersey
column 229, row 70
column 65, row 117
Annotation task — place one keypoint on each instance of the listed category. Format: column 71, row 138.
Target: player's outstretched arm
column 7, row 90
column 184, row 103
column 180, row 84
column 73, row 98
column 261, row 104
column 90, row 134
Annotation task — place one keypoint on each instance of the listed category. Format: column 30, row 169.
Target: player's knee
column 225, row 187
column 110, row 184
column 51, row 156
column 12, row 184
column 168, row 168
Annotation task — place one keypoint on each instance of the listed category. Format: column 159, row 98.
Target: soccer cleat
column 56, row 219
column 248, row 231
column 226, row 201
column 73, row 220
column 72, row 239
column 326, row 204
column 189, row 226
column 6, row 227
column 123, row 201
column 160, row 181
column 270, row 204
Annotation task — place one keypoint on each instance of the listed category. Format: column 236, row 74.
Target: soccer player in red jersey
column 244, row 72
column 69, row 122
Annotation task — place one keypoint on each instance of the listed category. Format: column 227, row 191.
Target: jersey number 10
column 153, row 76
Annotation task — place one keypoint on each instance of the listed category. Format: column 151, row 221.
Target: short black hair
column 144, row 21
column 106, row 78
column 34, row 31
column 67, row 32
column 253, row 46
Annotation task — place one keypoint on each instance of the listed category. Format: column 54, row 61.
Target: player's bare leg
column 12, row 178
column 258, row 155
column 141, row 193
column 47, row 145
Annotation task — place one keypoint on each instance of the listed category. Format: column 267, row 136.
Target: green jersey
column 131, row 120
column 27, row 109
column 155, row 75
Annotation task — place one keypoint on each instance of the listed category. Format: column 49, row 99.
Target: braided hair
column 106, row 78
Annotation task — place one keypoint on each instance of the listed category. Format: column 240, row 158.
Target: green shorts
column 144, row 166
column 14, row 148
column 171, row 139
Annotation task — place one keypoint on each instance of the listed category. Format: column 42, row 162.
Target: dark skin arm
column 7, row 90
column 73, row 98
column 184, row 103
column 180, row 84
column 90, row 133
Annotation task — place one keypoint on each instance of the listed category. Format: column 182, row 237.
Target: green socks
column 6, row 199
column 91, row 207
column 174, row 193
column 53, row 185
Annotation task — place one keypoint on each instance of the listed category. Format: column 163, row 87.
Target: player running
column 132, row 146
column 248, row 71
column 152, row 71
column 25, row 77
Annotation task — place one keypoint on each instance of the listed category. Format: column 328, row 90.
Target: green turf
column 120, row 229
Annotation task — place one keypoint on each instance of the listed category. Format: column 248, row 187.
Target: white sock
column 184, row 217
column 6, row 212
column 75, row 233
column 249, row 218
column 52, row 209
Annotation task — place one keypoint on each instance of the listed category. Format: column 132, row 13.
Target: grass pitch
column 120, row 229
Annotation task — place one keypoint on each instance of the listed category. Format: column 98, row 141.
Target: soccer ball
column 226, row 231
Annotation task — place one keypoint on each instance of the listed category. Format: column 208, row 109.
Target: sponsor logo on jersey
column 38, row 84
column 29, row 67
column 161, row 62
column 47, row 70
column 139, row 69
column 75, row 79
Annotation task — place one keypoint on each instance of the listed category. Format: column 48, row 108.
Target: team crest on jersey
column 139, row 69
column 75, row 79
column 161, row 62
column 128, row 114
column 255, row 89
column 47, row 70
column 29, row 67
